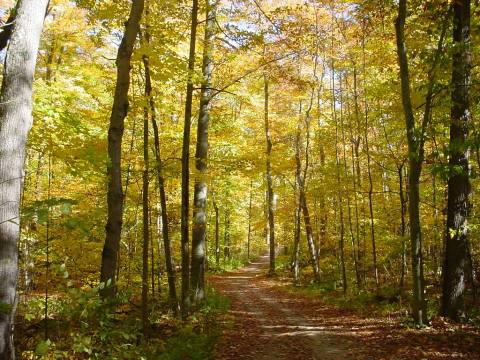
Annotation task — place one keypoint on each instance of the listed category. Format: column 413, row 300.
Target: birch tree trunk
column 249, row 234
column 197, row 271
column 115, row 135
column 15, row 123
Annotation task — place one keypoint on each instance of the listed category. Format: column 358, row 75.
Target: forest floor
column 270, row 323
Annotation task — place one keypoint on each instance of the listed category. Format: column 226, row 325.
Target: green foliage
column 42, row 348
column 5, row 308
column 189, row 344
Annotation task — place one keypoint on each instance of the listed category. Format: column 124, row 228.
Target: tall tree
column 145, row 207
column 15, row 123
column 172, row 291
column 416, row 136
column 197, row 275
column 268, row 175
column 115, row 135
column 186, row 164
column 300, row 185
column 456, row 234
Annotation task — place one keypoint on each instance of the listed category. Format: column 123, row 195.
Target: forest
column 239, row 179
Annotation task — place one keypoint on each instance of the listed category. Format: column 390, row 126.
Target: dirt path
column 271, row 324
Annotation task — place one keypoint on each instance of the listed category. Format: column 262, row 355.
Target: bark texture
column 115, row 135
column 456, row 252
column 268, row 175
column 186, row 167
column 15, row 123
column 199, row 230
column 415, row 159
column 416, row 153
column 145, row 208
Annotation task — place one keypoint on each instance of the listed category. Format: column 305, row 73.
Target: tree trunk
column 146, row 229
column 172, row 292
column 249, row 236
column 323, row 212
column 415, row 157
column 356, row 142
column 197, row 274
column 339, row 183
column 403, row 210
column 296, row 236
column 15, row 123
column 345, row 172
column 268, row 175
column 342, row 225
column 115, row 135
column 309, row 232
column 456, row 252
column 217, row 235
column 186, row 166
column 370, row 179
column 226, row 237
column 300, row 180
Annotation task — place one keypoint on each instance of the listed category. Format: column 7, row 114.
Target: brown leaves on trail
column 271, row 323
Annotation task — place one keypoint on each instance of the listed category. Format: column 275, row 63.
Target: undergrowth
column 83, row 326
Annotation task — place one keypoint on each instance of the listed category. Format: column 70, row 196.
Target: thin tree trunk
column 345, row 171
column 370, row 178
column 340, row 196
column 296, row 234
column 159, row 246
column 226, row 237
column 217, row 235
column 303, row 203
column 152, row 252
column 403, row 211
column 172, row 292
column 415, row 163
column 186, row 166
column 15, row 124
column 197, row 274
column 323, row 212
column 115, row 135
column 456, row 253
column 337, row 166
column 249, row 236
column 268, row 175
column 47, row 247
column 146, row 228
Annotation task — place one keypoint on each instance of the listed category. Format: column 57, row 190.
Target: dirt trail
column 269, row 326
column 272, row 324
